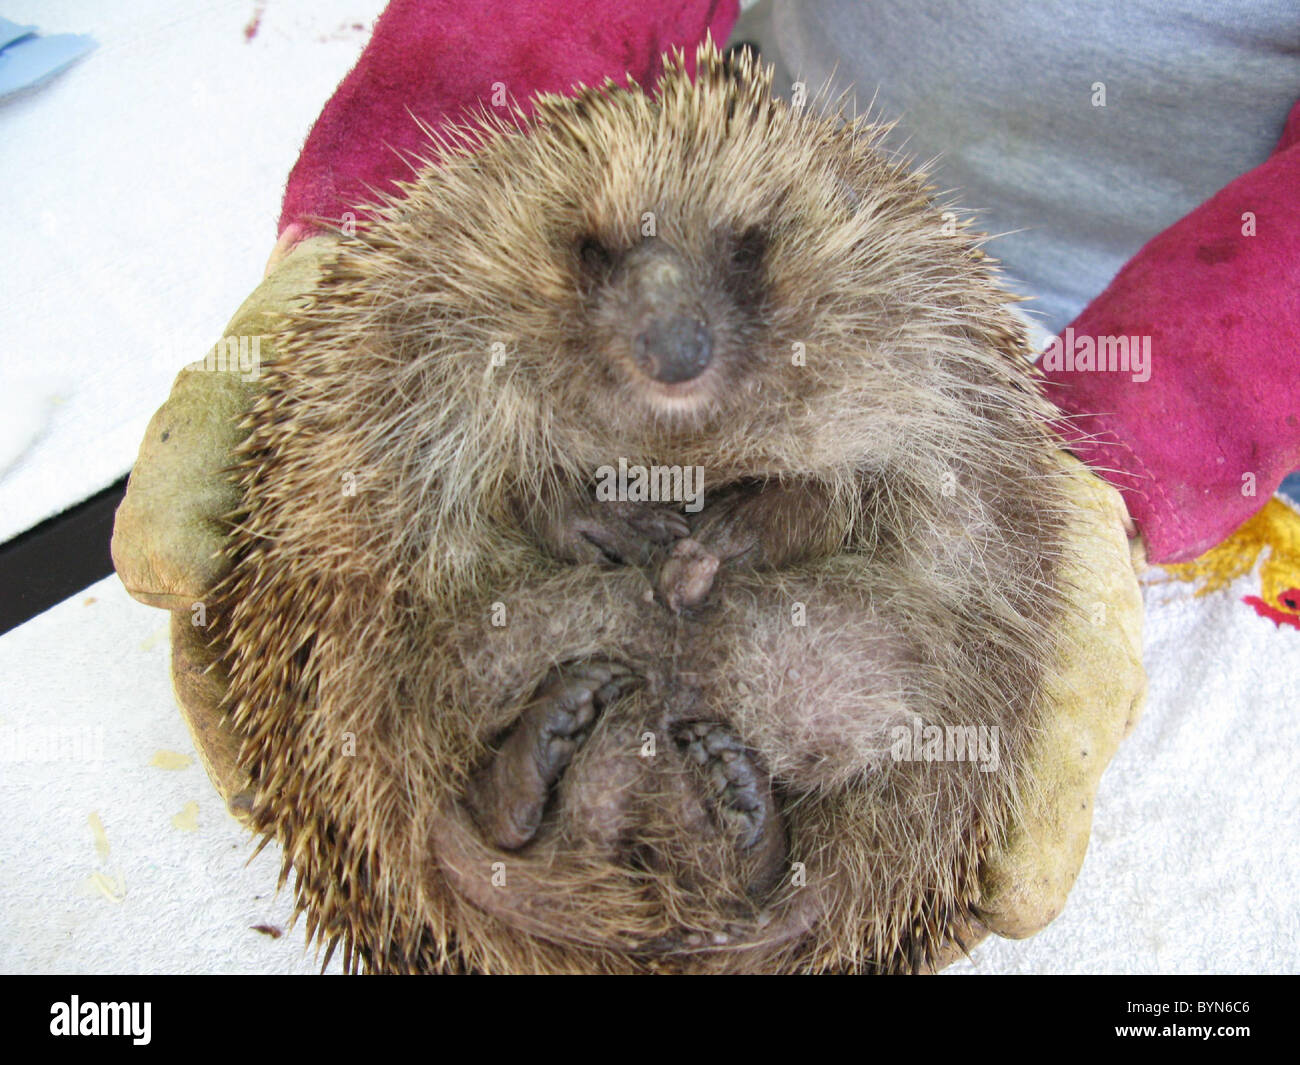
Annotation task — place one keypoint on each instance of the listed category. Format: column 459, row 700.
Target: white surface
column 142, row 187
column 1194, row 864
column 96, row 667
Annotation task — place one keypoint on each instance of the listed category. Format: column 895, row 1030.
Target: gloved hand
column 170, row 529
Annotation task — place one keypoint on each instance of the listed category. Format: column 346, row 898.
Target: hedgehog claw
column 508, row 796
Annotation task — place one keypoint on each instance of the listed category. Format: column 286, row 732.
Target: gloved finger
column 1096, row 698
column 169, row 530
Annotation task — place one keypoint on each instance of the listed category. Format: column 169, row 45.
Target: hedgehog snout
column 674, row 348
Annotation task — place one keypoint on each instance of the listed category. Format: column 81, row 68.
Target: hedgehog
column 635, row 505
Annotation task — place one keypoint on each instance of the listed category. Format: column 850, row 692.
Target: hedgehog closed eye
column 594, row 255
column 749, row 248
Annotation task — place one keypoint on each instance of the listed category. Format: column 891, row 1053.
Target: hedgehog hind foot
column 742, row 797
column 508, row 795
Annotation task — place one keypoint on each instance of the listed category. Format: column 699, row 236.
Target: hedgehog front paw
column 621, row 532
column 508, row 796
column 725, row 533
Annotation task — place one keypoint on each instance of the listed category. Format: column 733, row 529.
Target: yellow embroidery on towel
column 1276, row 528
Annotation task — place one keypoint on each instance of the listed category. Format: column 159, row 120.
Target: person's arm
column 1199, row 428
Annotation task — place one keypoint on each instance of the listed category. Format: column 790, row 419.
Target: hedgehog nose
column 675, row 348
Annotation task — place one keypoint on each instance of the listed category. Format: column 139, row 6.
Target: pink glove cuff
column 434, row 60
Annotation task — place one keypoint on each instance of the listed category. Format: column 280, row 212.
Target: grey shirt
column 1080, row 130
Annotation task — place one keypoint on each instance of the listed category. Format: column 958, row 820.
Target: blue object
column 27, row 59
column 1289, row 489
column 11, row 31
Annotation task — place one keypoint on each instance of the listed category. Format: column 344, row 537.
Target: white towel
column 142, row 188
